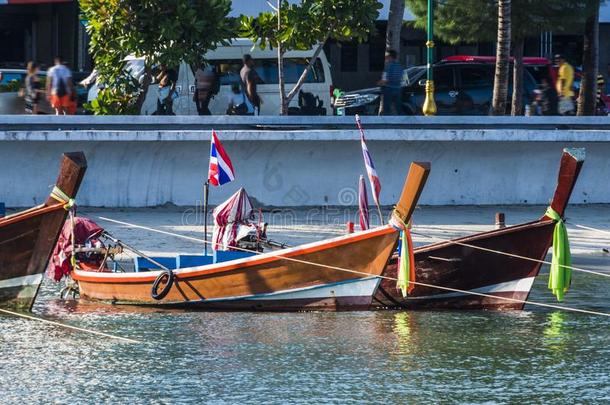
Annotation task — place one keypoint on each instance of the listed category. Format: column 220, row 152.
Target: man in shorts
column 60, row 87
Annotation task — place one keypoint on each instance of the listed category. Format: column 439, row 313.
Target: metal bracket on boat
column 445, row 259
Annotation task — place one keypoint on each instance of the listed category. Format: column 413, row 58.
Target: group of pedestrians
column 243, row 99
column 59, row 90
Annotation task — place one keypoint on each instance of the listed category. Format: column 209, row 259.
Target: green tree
column 500, row 91
column 160, row 31
column 306, row 25
column 468, row 21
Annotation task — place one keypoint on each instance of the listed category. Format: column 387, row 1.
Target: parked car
column 538, row 67
column 460, row 89
column 12, row 81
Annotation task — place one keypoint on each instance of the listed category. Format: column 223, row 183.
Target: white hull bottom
column 19, row 292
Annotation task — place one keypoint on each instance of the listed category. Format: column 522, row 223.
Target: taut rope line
column 531, row 259
column 94, row 332
column 540, row 304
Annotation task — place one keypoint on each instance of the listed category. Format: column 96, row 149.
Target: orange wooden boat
column 27, row 238
column 307, row 277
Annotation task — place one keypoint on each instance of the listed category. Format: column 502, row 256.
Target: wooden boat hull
column 473, row 270
column 265, row 282
column 335, row 274
column 489, row 265
column 27, row 239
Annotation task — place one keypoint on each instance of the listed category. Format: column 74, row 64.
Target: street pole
column 429, row 107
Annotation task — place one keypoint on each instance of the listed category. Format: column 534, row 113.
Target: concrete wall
column 131, row 168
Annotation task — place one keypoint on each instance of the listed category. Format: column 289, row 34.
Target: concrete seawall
column 299, row 161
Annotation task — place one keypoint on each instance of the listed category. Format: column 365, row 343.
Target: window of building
column 376, row 56
column 349, row 57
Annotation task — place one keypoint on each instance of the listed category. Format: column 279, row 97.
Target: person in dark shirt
column 547, row 100
column 249, row 80
column 167, row 79
column 32, row 89
column 390, row 83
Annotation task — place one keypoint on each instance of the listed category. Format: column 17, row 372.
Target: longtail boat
column 335, row 274
column 493, row 263
column 27, row 238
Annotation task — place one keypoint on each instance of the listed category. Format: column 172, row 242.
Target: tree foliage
column 160, row 31
column 469, row 21
column 309, row 24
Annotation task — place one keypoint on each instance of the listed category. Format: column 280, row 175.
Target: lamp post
column 429, row 107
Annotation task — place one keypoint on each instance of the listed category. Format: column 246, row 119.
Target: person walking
column 32, row 88
column 206, row 87
column 167, row 79
column 565, row 80
column 391, row 81
column 546, row 99
column 249, row 80
column 59, row 87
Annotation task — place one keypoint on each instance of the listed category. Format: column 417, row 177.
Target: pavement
column 303, row 225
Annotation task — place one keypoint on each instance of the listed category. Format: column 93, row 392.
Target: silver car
column 10, row 102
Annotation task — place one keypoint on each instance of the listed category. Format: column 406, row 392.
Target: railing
column 277, row 123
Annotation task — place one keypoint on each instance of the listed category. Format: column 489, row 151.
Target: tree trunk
column 142, row 96
column 517, row 102
column 395, row 18
column 280, row 65
column 502, row 58
column 306, row 71
column 587, row 96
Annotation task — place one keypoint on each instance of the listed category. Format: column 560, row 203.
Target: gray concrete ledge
column 327, row 135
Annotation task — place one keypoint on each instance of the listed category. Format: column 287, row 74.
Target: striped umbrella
column 228, row 217
column 363, row 204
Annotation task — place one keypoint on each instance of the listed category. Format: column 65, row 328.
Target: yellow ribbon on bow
column 58, row 195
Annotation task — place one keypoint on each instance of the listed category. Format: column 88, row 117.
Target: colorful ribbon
column 561, row 273
column 58, row 195
column 406, row 264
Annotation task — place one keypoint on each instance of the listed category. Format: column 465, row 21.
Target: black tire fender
column 167, row 275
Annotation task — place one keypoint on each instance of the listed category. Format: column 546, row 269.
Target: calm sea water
column 534, row 356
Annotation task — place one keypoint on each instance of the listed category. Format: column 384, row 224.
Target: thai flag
column 221, row 168
column 368, row 162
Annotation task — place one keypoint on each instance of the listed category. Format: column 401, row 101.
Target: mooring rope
column 534, row 303
column 499, row 252
column 94, row 332
column 590, row 228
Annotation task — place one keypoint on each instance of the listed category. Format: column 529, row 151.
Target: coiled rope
column 449, row 289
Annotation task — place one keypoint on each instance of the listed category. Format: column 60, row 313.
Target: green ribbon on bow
column 561, row 272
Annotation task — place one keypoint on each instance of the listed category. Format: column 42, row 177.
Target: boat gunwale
column 29, row 213
column 483, row 235
column 243, row 263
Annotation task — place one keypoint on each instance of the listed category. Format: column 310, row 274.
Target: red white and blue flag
column 368, row 162
column 221, row 168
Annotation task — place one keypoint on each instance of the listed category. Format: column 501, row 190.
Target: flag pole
column 206, row 194
column 375, row 197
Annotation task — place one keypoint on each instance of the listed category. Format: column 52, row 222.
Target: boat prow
column 28, row 237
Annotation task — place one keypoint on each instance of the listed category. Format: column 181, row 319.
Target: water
column 537, row 355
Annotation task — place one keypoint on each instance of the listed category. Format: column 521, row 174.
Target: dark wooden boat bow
column 451, row 264
column 27, row 238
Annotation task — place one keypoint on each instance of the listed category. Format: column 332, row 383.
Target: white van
column 227, row 61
